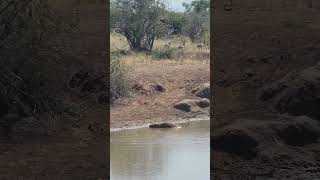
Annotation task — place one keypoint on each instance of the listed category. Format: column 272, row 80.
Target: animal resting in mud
column 163, row 125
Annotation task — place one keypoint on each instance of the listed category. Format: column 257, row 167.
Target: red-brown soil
column 254, row 48
column 153, row 107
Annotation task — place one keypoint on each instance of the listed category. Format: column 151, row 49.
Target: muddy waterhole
column 161, row 154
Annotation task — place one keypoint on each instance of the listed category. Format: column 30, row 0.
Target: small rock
column 90, row 128
column 158, row 87
column 138, row 87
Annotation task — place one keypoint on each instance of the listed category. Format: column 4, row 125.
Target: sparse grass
column 118, row 42
column 171, row 56
column 164, row 53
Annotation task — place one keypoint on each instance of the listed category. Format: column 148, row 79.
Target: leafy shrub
column 29, row 75
column 167, row 53
column 119, row 86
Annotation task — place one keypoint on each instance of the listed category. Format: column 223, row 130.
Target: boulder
column 163, row 125
column 236, row 141
column 296, row 94
column 202, row 91
column 189, row 104
column 244, row 136
column 301, row 132
column 203, row 103
column 186, row 105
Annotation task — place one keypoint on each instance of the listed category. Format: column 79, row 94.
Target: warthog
column 163, row 125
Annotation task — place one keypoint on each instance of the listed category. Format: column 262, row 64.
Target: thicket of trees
column 141, row 22
column 138, row 20
column 29, row 79
column 198, row 22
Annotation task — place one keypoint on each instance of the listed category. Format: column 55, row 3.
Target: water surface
column 161, row 154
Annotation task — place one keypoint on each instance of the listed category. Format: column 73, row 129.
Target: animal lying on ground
column 163, row 125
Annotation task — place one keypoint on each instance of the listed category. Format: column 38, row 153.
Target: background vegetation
column 141, row 22
column 143, row 31
column 30, row 79
column 119, row 86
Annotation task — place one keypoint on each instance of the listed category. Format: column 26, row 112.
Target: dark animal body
column 163, row 125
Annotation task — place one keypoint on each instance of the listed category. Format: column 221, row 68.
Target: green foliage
column 119, row 85
column 198, row 22
column 176, row 21
column 27, row 71
column 138, row 20
column 166, row 53
column 142, row 21
column 197, row 6
column 27, row 23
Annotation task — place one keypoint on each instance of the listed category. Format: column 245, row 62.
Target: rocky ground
column 163, row 93
column 266, row 75
column 63, row 147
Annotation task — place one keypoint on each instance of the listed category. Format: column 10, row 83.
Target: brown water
column 162, row 154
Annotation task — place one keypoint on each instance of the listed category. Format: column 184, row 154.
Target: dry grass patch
column 176, row 53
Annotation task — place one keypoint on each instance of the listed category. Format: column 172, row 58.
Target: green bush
column 167, row 53
column 31, row 77
column 119, row 86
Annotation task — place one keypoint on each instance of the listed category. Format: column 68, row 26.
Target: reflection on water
column 161, row 154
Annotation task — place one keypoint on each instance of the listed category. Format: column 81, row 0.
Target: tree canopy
column 139, row 21
column 197, row 15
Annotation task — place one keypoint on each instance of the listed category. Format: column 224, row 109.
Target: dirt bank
column 69, row 151
column 252, row 52
column 156, row 106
